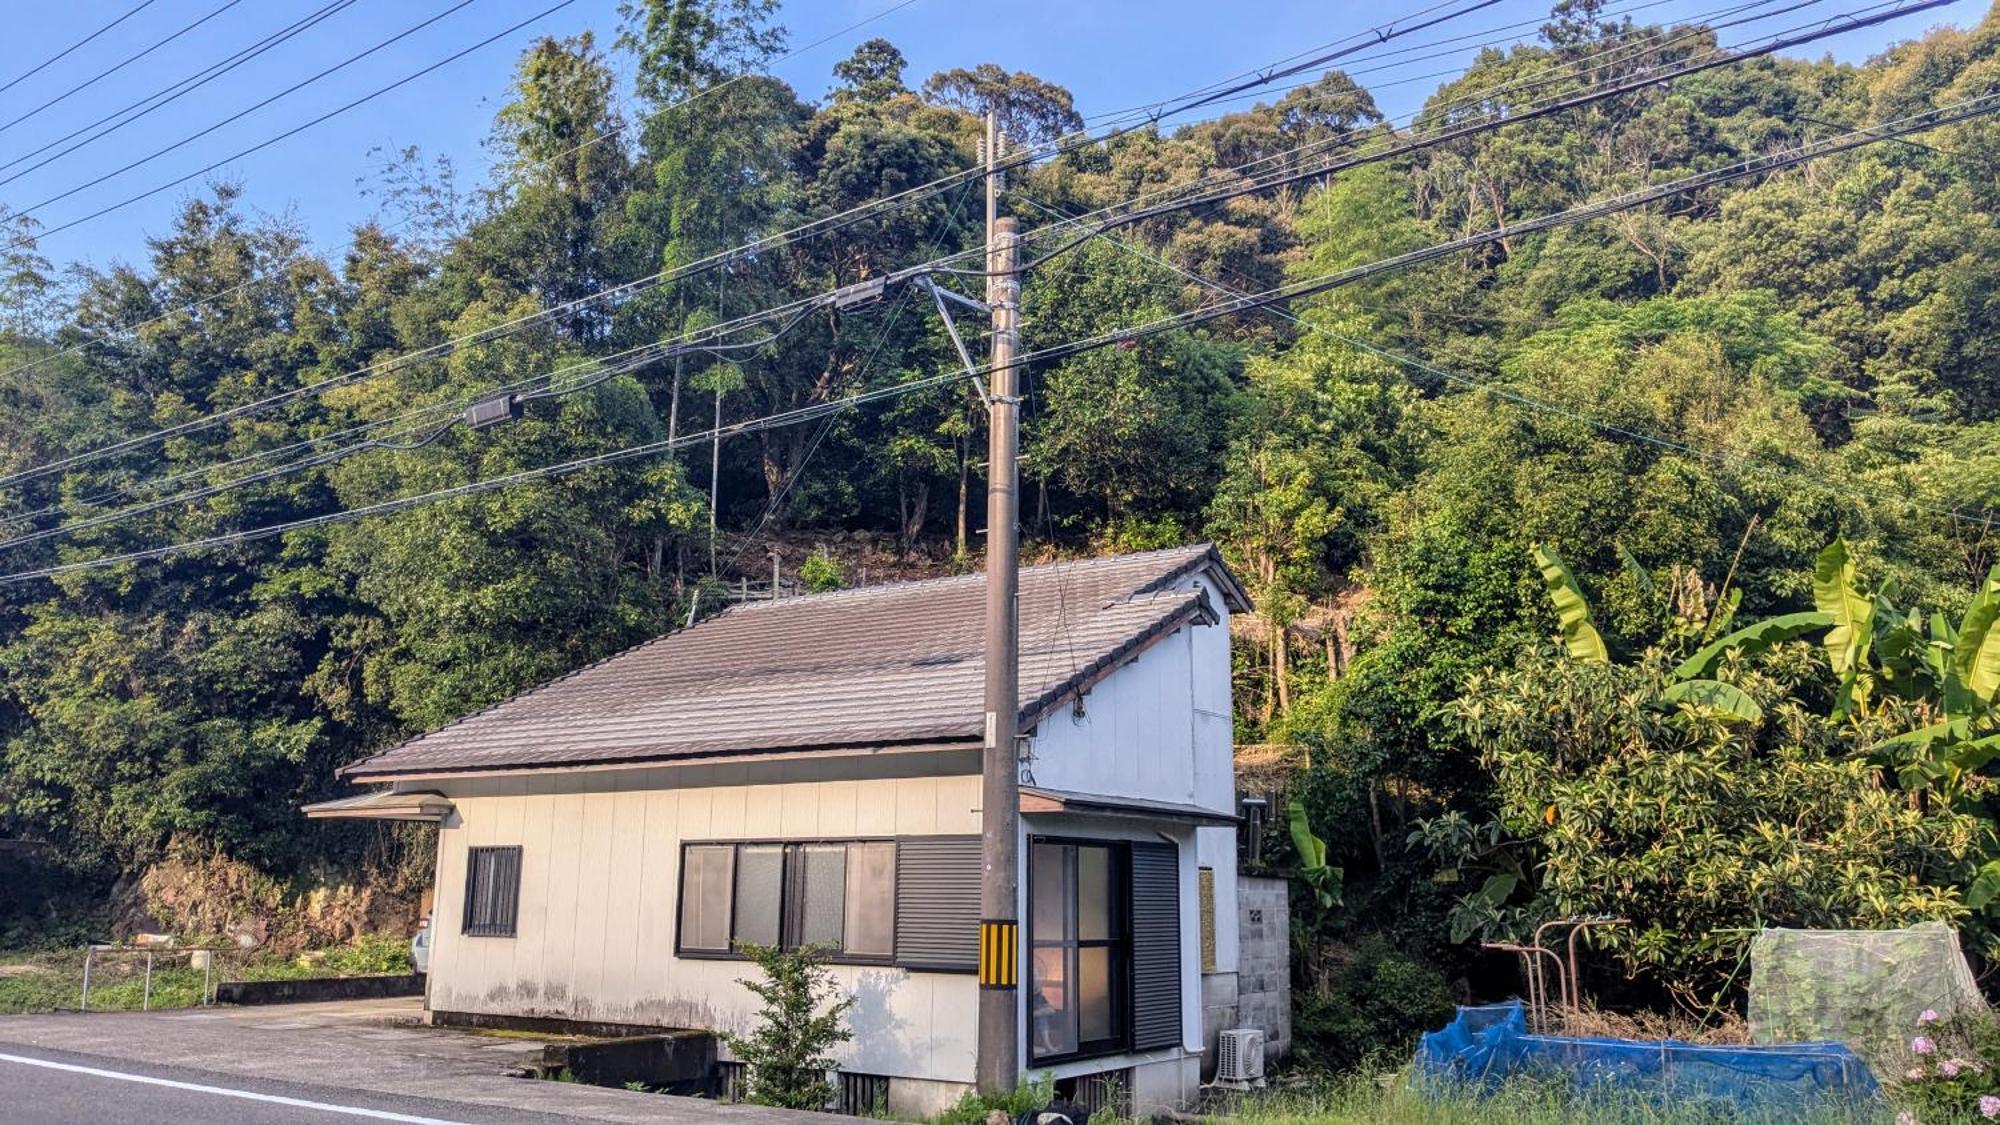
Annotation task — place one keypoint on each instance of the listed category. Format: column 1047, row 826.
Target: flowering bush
column 1948, row 1077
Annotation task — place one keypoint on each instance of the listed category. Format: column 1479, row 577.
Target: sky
column 1112, row 54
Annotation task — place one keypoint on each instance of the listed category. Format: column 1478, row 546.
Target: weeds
column 1379, row 1099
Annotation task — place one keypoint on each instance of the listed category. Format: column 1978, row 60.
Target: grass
column 45, row 980
column 1390, row 1100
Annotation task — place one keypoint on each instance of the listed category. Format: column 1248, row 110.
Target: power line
column 1534, row 111
column 333, row 7
column 128, row 60
column 1934, row 118
column 1519, row 398
column 600, row 370
column 861, row 375
column 813, row 228
column 1056, row 147
column 295, row 131
column 364, row 99
column 65, row 52
column 174, row 91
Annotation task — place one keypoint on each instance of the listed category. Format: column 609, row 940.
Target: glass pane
column 1045, row 885
column 821, row 905
column 758, row 879
column 871, row 899
column 705, row 898
column 1093, row 994
column 1052, row 1018
column 1093, row 894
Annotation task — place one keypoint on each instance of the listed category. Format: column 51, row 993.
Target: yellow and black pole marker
column 999, row 954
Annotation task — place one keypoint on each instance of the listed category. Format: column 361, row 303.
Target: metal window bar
column 492, row 891
column 862, row 1095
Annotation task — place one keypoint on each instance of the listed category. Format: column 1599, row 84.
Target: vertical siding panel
column 699, row 813
column 593, row 894
column 723, row 814
column 838, row 809
column 916, row 806
column 451, row 967
column 626, row 869
column 957, row 806
column 798, row 811
column 763, row 811
column 539, row 862
column 565, row 858
column 659, row 881
column 875, row 809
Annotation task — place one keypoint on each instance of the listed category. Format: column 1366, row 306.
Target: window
column 492, row 891
column 1080, row 955
column 836, row 894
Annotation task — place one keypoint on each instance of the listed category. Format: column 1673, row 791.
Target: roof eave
column 656, row 761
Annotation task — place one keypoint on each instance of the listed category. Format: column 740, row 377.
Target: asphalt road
column 43, row 1087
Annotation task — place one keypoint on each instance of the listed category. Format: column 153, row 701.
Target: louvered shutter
column 937, row 903
column 1156, row 946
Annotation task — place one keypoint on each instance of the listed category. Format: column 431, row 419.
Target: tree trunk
column 1375, row 825
column 1280, row 667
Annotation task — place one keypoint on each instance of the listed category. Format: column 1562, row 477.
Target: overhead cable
column 67, row 51
column 121, row 64
column 1923, row 121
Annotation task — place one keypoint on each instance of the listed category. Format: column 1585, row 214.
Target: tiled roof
column 882, row 665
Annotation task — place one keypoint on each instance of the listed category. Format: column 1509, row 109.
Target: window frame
column 786, row 897
column 1119, row 914
column 466, row 926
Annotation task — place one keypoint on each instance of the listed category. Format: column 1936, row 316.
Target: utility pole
column 999, row 1068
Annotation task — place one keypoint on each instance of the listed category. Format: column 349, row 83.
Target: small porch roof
column 1044, row 802
column 383, row 805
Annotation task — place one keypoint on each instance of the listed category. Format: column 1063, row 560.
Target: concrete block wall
column 1264, row 969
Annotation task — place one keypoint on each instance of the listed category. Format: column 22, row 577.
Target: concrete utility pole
column 999, row 1067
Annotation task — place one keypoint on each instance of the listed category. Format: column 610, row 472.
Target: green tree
column 800, row 1020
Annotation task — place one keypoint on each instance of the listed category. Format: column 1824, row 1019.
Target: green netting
column 1865, row 988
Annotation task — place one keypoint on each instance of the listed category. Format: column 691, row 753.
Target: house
column 807, row 770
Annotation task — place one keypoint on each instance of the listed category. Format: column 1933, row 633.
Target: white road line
column 226, row 1092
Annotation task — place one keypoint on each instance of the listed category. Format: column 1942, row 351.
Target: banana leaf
column 1751, row 639
column 1580, row 636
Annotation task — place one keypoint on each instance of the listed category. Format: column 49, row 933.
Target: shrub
column 1374, row 1003
column 821, row 572
column 786, row 1054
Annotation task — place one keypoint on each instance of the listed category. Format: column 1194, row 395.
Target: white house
column 807, row 771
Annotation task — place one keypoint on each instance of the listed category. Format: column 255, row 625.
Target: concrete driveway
column 369, row 1059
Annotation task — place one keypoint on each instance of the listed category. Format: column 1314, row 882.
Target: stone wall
column 1264, row 970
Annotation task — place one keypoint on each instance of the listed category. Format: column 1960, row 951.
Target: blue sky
column 1112, row 55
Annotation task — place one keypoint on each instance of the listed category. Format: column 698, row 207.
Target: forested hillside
column 1687, row 402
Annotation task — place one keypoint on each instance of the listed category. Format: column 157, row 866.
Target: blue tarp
column 1486, row 1045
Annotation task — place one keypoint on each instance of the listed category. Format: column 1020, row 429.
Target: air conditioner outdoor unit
column 1240, row 1058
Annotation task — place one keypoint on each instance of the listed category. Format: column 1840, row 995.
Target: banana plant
column 1325, row 881
column 1692, row 682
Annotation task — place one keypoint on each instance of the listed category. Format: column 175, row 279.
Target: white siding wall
column 1160, row 729
column 599, row 878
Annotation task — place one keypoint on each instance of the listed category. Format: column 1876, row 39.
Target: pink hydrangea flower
column 1948, row 1068
column 1989, row 1106
column 1922, row 1045
column 1929, row 1016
